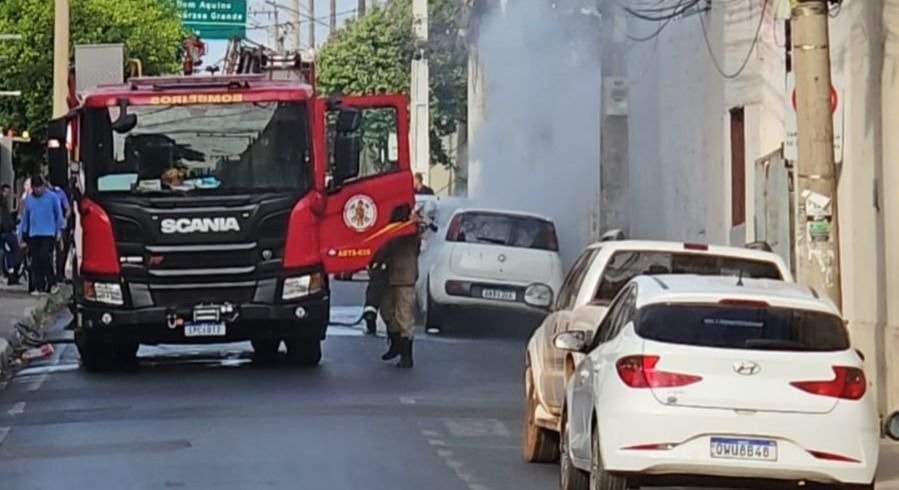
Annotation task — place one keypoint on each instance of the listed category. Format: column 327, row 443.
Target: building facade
column 709, row 121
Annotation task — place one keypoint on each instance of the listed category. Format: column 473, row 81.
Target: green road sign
column 215, row 19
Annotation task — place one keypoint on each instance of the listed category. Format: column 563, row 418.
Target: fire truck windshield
column 199, row 149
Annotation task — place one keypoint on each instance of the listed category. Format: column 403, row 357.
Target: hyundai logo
column 746, row 368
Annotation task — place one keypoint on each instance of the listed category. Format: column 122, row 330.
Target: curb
column 9, row 345
column 37, row 315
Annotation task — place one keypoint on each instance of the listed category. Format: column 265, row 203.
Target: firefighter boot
column 405, row 354
column 371, row 322
column 395, row 346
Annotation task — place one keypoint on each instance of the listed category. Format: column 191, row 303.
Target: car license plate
column 499, row 294
column 204, row 330
column 746, row 449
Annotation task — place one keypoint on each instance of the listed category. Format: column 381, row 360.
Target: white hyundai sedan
column 719, row 380
column 495, row 259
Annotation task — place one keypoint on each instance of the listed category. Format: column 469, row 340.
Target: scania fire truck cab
column 214, row 210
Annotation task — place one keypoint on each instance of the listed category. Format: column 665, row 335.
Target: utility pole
column 614, row 165
column 279, row 36
column 332, row 18
column 295, row 17
column 311, row 32
column 420, row 93
column 818, row 239
column 360, row 8
column 61, row 58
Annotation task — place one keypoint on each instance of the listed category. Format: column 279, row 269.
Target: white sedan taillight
column 641, row 372
column 848, row 384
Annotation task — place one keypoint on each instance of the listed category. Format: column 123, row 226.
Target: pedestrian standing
column 420, row 187
column 398, row 306
column 8, row 239
column 61, row 251
column 42, row 222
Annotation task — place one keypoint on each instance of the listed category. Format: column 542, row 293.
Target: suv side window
column 572, row 283
column 626, row 313
column 609, row 325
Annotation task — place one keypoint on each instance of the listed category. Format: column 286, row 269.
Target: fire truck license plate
column 207, row 329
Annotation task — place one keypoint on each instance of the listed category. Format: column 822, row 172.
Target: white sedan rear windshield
column 626, row 265
column 743, row 327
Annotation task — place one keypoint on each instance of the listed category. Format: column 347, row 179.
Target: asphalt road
column 209, row 418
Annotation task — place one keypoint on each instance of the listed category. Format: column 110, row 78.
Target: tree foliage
column 150, row 30
column 374, row 54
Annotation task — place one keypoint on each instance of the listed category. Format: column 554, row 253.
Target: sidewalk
column 888, row 473
column 15, row 306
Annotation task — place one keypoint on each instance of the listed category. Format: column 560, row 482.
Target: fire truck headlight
column 104, row 292
column 301, row 286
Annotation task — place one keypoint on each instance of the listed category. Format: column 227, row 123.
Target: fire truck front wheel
column 98, row 354
column 304, row 351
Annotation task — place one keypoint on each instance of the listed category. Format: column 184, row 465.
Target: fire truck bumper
column 307, row 319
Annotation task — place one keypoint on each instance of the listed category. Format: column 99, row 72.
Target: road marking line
column 407, row 400
column 454, row 464
column 4, row 431
column 17, row 409
column 37, row 383
column 477, row 428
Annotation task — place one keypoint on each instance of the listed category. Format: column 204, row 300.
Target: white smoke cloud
column 538, row 148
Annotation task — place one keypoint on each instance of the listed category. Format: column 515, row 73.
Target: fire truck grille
column 189, row 297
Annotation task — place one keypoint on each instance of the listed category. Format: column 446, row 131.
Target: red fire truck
column 213, row 209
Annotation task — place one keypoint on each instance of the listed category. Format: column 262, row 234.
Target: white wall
column 680, row 148
column 680, row 138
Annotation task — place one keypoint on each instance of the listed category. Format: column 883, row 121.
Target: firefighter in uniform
column 398, row 303
column 374, row 292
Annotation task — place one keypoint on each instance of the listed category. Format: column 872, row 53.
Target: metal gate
column 774, row 216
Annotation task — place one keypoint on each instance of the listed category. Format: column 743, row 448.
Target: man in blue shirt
column 42, row 223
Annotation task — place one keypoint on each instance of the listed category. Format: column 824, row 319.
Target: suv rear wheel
column 539, row 445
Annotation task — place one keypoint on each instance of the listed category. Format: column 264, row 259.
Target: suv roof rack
column 759, row 245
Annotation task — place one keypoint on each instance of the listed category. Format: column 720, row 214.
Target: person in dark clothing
column 420, row 187
column 64, row 243
column 42, row 223
column 374, row 294
column 8, row 239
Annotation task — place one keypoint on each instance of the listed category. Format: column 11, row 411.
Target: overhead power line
column 755, row 41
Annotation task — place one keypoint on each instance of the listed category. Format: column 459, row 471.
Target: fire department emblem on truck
column 360, row 213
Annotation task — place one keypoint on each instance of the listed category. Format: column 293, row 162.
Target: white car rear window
column 503, row 229
column 743, row 327
column 626, row 265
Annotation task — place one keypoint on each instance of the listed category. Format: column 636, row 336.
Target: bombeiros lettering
column 171, row 226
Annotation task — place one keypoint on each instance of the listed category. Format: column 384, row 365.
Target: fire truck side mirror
column 57, row 152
